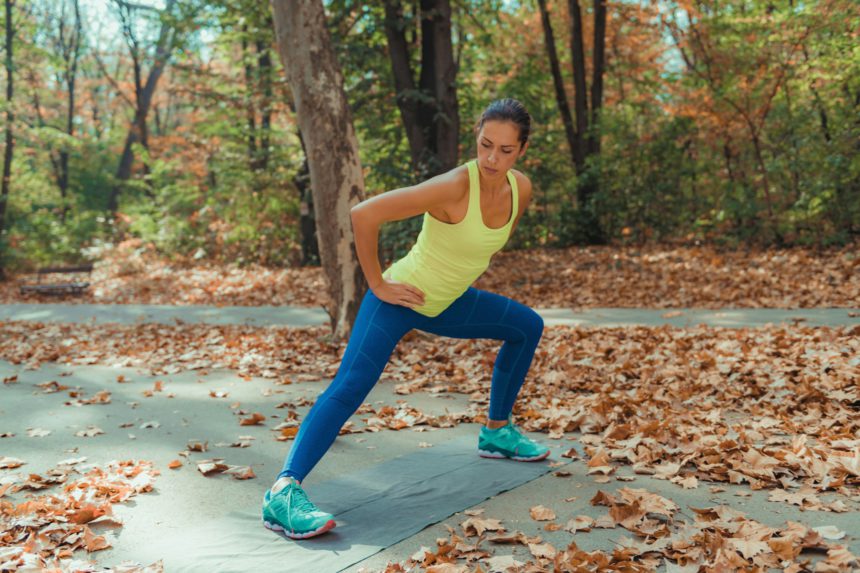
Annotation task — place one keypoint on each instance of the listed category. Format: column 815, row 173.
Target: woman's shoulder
column 456, row 179
column 523, row 183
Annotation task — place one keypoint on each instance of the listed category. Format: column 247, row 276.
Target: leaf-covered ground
column 651, row 277
column 776, row 408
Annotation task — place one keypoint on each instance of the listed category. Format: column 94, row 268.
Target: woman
column 469, row 213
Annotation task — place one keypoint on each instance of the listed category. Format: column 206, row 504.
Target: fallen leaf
column 9, row 463
column 253, row 420
column 207, row 467
column 541, row 513
column 89, row 432
column 542, row 550
column 478, row 525
column 240, row 472
column 829, row 532
column 38, row 432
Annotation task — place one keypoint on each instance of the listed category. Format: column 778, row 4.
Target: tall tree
column 143, row 91
column 558, row 82
column 8, row 63
column 256, row 36
column 429, row 106
column 326, row 124
column 741, row 87
column 583, row 130
column 67, row 31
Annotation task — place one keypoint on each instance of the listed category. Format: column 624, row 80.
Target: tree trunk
column 325, row 121
column 10, row 141
column 587, row 136
column 429, row 110
column 598, row 70
column 250, row 112
column 443, row 81
column 71, row 56
column 307, row 224
column 580, row 95
column 560, row 92
column 404, row 82
column 264, row 67
column 137, row 131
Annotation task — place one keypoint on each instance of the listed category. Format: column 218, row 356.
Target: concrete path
column 303, row 316
column 187, row 508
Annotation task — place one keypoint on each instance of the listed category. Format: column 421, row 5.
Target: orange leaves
column 240, row 472
column 217, row 465
column 661, row 277
column 89, row 513
column 9, row 463
column 56, row 524
column 157, row 386
column 197, row 446
column 287, row 433
column 52, row 387
column 541, row 513
column 478, row 525
column 253, row 420
column 599, row 463
column 207, row 467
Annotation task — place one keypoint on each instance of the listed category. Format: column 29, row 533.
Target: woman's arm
column 395, row 205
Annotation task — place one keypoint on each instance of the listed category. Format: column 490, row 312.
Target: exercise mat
column 374, row 508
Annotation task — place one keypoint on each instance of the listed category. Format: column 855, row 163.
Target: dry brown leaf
column 9, row 463
column 541, row 513
column 215, row 465
column 542, row 550
column 254, row 419
column 478, row 525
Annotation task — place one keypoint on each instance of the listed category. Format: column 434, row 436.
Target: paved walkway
column 196, row 523
column 304, row 316
column 187, row 509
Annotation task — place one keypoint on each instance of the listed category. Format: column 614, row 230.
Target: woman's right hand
column 403, row 294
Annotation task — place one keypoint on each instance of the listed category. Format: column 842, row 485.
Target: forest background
column 733, row 123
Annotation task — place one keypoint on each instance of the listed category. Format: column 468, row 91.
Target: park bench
column 72, row 286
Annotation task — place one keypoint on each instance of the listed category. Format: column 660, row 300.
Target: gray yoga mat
column 374, row 509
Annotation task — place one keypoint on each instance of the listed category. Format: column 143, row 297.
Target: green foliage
column 759, row 144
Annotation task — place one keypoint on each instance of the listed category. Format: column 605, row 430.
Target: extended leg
column 378, row 328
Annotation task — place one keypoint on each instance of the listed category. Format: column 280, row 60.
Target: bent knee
column 535, row 328
column 529, row 323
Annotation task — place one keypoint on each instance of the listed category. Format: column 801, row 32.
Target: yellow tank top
column 448, row 257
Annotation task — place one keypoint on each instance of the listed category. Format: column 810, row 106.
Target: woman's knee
column 536, row 325
column 529, row 321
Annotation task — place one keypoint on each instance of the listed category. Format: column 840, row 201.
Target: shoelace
column 296, row 497
column 516, row 431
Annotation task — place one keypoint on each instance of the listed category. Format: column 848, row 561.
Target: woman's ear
column 523, row 149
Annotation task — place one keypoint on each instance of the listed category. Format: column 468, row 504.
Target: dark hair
column 508, row 109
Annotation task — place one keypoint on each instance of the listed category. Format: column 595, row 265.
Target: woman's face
column 498, row 148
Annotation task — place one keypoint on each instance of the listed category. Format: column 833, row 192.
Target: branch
column 112, row 81
column 134, row 6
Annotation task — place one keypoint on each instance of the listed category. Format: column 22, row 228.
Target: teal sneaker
column 508, row 442
column 291, row 513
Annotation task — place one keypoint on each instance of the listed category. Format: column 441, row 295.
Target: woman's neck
column 495, row 186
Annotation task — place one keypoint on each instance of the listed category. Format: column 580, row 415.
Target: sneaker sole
column 499, row 456
column 278, row 528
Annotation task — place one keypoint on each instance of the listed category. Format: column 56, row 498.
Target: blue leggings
column 378, row 328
